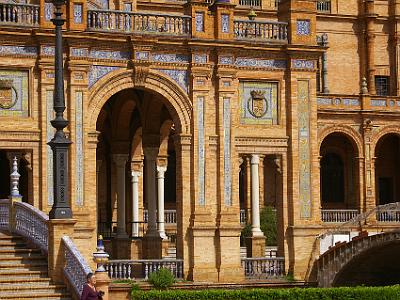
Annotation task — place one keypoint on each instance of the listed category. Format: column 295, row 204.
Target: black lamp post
column 60, row 143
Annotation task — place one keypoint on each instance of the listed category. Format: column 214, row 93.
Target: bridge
column 366, row 255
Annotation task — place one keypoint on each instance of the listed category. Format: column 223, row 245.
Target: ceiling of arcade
column 133, row 119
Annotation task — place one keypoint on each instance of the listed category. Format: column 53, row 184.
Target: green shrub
column 355, row 293
column 161, row 279
column 268, row 225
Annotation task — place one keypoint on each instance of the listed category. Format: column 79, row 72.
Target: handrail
column 19, row 14
column 31, row 223
column 76, row 267
column 261, row 30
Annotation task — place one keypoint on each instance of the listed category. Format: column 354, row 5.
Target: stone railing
column 147, row 23
column 324, row 6
column 263, row 267
column 142, row 268
column 76, row 268
column 170, row 216
column 4, row 213
column 388, row 216
column 261, row 31
column 31, row 223
column 19, row 14
column 338, row 215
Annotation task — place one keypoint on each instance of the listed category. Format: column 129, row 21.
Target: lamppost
column 60, row 143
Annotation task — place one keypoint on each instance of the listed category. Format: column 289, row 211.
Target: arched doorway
column 136, row 157
column 387, row 165
column 339, row 178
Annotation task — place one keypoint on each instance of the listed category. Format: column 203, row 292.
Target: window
column 382, row 85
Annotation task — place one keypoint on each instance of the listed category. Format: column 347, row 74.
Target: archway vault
column 176, row 100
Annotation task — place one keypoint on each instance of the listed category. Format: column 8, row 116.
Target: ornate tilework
column 48, row 50
column 303, row 64
column 142, row 55
column 201, row 151
column 170, row 58
column 98, row 4
column 106, row 54
column 97, row 72
column 351, row 102
column 128, row 7
column 199, row 21
column 200, row 58
column 378, row 102
column 226, row 60
column 260, row 63
column 22, row 50
column 303, row 112
column 79, row 167
column 225, row 23
column 50, row 75
column 268, row 106
column 79, row 52
column 227, row 152
column 78, row 13
column 179, row 76
column 48, row 11
column 50, row 134
column 303, row 27
column 324, row 101
column 14, row 94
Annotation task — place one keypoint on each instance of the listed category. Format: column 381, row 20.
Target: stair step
column 22, row 258
column 19, row 251
column 34, row 294
column 23, row 278
column 28, row 265
column 23, row 272
column 34, row 286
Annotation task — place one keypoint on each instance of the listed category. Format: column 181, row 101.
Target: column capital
column 255, row 159
column 161, row 170
column 136, row 174
column 120, row 159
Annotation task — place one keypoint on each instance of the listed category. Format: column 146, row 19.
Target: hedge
column 345, row 293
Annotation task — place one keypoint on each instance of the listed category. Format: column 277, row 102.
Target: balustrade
column 76, row 268
column 324, row 6
column 338, row 215
column 263, row 267
column 250, row 3
column 19, row 14
column 262, row 31
column 119, row 21
column 31, row 223
column 129, row 269
column 388, row 216
column 4, row 213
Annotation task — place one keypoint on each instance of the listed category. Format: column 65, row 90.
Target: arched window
column 332, row 178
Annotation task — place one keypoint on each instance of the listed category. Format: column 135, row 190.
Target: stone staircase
column 23, row 272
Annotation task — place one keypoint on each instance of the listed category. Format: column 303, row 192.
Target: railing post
column 15, row 195
column 56, row 260
column 101, row 258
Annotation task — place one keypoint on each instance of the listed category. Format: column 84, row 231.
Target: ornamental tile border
column 98, row 72
column 179, row 76
column 20, row 50
column 260, row 63
column 78, row 8
column 79, row 166
column 226, row 60
column 199, row 20
column 227, row 151
column 79, row 52
column 200, row 58
column 378, row 102
column 108, row 54
column 303, row 27
column 303, row 64
column 170, row 58
column 48, row 50
column 201, row 150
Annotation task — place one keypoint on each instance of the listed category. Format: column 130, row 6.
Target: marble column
column 120, row 162
column 160, row 188
column 150, row 156
column 255, row 196
column 135, row 203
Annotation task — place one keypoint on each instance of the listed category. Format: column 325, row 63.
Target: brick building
column 187, row 117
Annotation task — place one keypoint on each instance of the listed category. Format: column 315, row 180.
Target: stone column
column 160, row 188
column 98, row 166
column 261, row 181
column 255, row 196
column 120, row 161
column 135, row 203
column 248, row 190
column 150, row 156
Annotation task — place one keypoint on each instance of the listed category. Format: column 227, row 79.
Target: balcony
column 268, row 31
column 142, row 23
column 324, row 6
column 19, row 14
column 338, row 215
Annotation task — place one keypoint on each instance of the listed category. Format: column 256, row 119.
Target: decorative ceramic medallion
column 257, row 105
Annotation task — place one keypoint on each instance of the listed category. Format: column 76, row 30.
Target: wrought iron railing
column 261, row 31
column 4, row 213
column 145, row 23
column 338, row 215
column 324, row 6
column 76, row 267
column 388, row 216
column 31, row 223
column 19, row 14
column 142, row 268
column 263, row 267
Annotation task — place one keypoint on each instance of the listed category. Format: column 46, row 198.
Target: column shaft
column 255, row 196
column 160, row 185
column 120, row 161
column 135, row 203
column 150, row 189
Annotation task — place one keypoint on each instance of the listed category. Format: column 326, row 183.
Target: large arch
column 178, row 102
column 377, row 135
